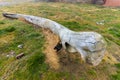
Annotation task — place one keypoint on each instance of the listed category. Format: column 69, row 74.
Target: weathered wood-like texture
column 90, row 45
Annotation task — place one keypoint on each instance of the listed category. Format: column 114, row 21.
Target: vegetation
column 78, row 17
column 116, row 76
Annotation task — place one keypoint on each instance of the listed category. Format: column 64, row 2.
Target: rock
column 11, row 54
column 102, row 22
column 20, row 46
column 7, row 56
column 20, row 55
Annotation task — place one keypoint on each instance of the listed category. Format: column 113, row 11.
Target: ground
column 41, row 62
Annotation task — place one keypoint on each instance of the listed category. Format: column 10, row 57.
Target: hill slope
column 41, row 62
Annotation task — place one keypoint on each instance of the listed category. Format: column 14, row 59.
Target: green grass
column 77, row 17
column 2, row 22
column 32, row 65
column 117, row 75
column 58, row 76
column 7, row 30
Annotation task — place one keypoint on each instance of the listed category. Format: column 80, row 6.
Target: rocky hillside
column 40, row 61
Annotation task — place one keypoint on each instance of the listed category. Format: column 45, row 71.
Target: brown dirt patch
column 51, row 56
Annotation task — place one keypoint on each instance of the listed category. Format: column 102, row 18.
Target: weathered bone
column 90, row 45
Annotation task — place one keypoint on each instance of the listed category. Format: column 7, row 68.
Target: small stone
column 97, row 23
column 20, row 46
column 12, row 53
column 20, row 55
column 7, row 55
column 102, row 22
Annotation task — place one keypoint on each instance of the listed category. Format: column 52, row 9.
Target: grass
column 117, row 75
column 33, row 45
column 76, row 17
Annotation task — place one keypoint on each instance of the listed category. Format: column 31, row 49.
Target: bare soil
column 51, row 56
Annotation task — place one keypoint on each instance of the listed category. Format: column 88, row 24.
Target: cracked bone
column 90, row 45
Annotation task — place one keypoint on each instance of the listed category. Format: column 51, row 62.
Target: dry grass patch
column 6, row 38
column 51, row 56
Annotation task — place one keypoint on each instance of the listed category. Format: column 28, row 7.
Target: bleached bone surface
column 90, row 45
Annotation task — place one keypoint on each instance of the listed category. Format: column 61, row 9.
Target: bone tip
column 4, row 14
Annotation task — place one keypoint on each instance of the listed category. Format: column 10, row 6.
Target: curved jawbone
column 90, row 45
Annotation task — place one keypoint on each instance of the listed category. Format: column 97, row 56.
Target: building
column 112, row 3
column 102, row 2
